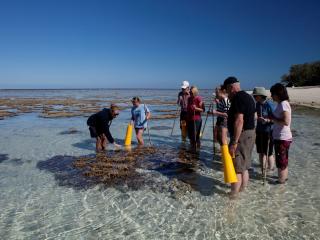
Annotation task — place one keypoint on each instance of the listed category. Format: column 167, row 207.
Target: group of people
column 100, row 122
column 247, row 120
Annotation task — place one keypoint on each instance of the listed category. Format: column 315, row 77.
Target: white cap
column 185, row 84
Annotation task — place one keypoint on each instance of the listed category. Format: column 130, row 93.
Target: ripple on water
column 180, row 196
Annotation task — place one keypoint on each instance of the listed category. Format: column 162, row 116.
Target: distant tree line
column 307, row 74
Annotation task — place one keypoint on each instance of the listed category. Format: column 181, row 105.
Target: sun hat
column 229, row 80
column 185, row 84
column 259, row 91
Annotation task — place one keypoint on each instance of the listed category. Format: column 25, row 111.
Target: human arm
column 284, row 117
column 219, row 114
column 198, row 105
column 108, row 135
column 284, row 120
column 147, row 112
column 238, row 126
column 179, row 99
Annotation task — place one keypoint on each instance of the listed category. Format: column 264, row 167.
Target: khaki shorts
column 242, row 161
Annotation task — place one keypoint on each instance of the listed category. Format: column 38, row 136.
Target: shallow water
column 42, row 196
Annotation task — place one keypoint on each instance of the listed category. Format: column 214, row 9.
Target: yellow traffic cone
column 230, row 175
column 127, row 140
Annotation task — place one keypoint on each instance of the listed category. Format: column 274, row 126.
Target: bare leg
column 235, row 187
column 183, row 125
column 139, row 134
column 271, row 162
column 103, row 142
column 245, row 180
column 98, row 144
column 262, row 160
column 283, row 175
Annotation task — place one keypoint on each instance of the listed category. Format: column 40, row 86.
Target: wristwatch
column 233, row 142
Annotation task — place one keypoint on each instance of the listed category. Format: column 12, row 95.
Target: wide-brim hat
column 259, row 91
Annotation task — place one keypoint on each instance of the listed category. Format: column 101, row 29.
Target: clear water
column 43, row 197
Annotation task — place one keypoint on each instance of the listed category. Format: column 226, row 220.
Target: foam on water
column 43, row 197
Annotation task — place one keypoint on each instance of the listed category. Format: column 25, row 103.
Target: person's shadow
column 90, row 144
column 65, row 173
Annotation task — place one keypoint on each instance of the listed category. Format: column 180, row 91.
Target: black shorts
column 93, row 132
column 262, row 140
column 222, row 122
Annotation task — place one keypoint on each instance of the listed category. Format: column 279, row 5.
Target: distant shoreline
column 308, row 96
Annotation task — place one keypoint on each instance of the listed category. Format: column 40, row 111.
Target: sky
column 154, row 43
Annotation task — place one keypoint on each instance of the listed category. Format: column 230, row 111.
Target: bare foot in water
column 233, row 195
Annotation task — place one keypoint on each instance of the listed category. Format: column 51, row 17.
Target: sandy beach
column 305, row 96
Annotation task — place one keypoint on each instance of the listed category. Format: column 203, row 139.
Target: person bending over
column 99, row 126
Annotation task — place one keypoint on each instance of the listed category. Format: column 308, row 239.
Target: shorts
column 142, row 128
column 281, row 149
column 242, row 160
column 183, row 117
column 262, row 139
column 93, row 132
column 222, row 122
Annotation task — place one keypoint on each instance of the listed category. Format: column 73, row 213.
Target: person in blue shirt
column 140, row 114
column 264, row 109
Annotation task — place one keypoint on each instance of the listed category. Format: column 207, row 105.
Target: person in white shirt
column 281, row 130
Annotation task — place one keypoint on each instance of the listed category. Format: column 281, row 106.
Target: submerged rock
column 70, row 131
column 3, row 157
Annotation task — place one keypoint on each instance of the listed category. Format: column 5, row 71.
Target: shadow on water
column 3, row 157
column 65, row 173
column 70, row 131
column 90, row 144
column 135, row 169
column 87, row 144
column 15, row 161
column 204, row 155
column 188, row 174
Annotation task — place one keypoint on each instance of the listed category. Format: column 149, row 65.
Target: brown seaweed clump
column 113, row 167
column 5, row 114
column 65, row 107
column 164, row 116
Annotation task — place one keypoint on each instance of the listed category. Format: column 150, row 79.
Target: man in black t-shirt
column 242, row 134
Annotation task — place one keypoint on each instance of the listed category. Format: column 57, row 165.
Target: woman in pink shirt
column 281, row 130
column 194, row 121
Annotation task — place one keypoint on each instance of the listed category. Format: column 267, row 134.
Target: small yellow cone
column 127, row 140
column 230, row 175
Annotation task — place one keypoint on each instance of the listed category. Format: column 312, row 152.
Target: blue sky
column 153, row 44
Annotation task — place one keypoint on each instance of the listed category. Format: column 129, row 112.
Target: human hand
column 116, row 145
column 262, row 120
column 232, row 150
